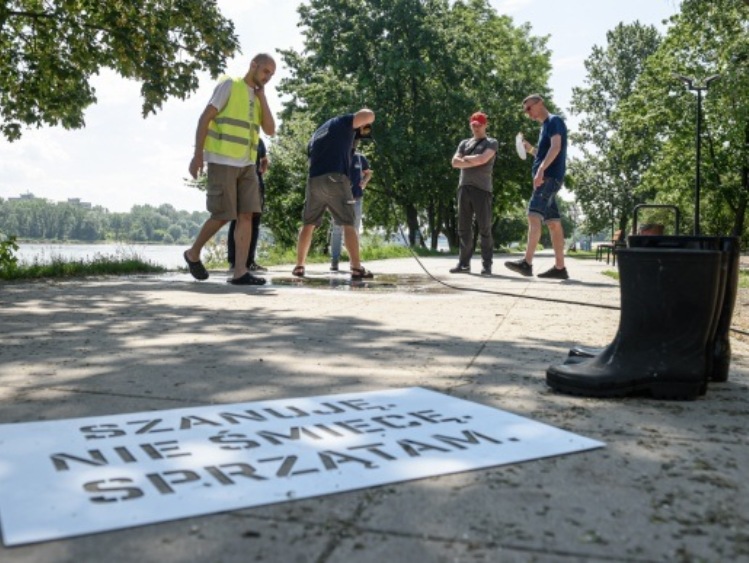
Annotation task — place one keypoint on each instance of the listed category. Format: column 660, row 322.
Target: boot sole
column 669, row 390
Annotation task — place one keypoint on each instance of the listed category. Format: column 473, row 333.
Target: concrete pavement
column 670, row 485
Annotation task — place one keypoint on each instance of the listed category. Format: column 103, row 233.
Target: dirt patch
column 740, row 320
column 741, row 314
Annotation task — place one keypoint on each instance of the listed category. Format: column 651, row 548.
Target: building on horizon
column 77, row 201
column 26, row 196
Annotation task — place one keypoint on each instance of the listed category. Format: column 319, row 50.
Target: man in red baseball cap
column 475, row 160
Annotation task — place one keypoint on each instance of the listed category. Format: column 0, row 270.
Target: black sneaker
column 520, row 266
column 460, row 269
column 486, row 271
column 555, row 273
column 247, row 279
column 255, row 267
column 334, row 266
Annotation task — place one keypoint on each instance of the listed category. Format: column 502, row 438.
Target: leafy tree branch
column 50, row 50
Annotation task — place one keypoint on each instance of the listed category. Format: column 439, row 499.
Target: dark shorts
column 231, row 190
column 543, row 202
column 331, row 192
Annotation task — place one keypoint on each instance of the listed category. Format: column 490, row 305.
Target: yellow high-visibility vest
column 236, row 128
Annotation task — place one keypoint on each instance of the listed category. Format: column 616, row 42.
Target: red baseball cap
column 479, row 118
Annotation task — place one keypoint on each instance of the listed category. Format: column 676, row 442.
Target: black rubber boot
column 721, row 347
column 579, row 354
column 719, row 344
column 668, row 299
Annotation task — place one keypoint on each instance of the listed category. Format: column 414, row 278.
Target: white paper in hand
column 519, row 146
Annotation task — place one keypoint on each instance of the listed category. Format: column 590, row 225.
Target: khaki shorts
column 231, row 190
column 330, row 192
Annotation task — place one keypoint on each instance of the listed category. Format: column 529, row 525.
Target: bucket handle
column 656, row 206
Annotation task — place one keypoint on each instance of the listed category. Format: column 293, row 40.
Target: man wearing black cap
column 475, row 159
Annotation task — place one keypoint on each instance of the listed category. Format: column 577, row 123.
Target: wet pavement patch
column 381, row 282
column 404, row 283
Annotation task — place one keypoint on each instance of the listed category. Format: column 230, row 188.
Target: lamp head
column 685, row 79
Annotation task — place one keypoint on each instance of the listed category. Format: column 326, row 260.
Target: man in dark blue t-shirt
column 329, row 187
column 549, row 167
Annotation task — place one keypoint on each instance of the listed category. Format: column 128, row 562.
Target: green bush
column 8, row 258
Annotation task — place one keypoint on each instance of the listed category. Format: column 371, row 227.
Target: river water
column 164, row 255
column 167, row 256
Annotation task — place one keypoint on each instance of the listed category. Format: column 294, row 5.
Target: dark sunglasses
column 527, row 108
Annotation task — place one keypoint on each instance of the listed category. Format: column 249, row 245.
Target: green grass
column 582, row 254
column 743, row 279
column 100, row 265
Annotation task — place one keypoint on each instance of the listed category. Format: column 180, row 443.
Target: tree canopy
column 423, row 66
column 704, row 39
column 41, row 219
column 652, row 130
column 50, row 49
column 607, row 177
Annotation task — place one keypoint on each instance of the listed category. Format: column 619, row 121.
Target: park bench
column 610, row 247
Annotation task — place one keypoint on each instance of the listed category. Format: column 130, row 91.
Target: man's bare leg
column 209, row 228
column 534, row 235
column 305, row 240
column 557, row 242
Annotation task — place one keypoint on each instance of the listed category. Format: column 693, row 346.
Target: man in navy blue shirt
column 329, row 186
column 549, row 166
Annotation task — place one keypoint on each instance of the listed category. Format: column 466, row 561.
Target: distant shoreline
column 165, row 255
column 98, row 242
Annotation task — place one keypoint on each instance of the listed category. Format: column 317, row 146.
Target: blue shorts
column 544, row 202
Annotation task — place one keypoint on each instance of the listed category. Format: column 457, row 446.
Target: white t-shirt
column 218, row 100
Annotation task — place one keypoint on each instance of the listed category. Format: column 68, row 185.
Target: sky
column 121, row 159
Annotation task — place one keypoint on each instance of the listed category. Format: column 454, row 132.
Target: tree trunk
column 449, row 225
column 412, row 220
column 434, row 231
column 738, row 224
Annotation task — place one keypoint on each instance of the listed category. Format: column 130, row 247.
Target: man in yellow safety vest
column 226, row 140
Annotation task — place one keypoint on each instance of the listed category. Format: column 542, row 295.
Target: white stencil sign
column 71, row 477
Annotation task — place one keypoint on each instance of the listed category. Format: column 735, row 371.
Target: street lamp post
column 699, row 89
